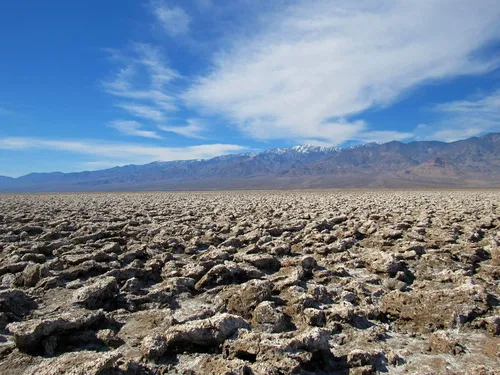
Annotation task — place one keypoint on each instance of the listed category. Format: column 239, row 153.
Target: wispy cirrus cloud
column 134, row 128
column 193, row 129
column 485, row 106
column 143, row 76
column 139, row 153
column 173, row 19
column 382, row 136
column 464, row 118
column 143, row 111
column 318, row 63
column 148, row 84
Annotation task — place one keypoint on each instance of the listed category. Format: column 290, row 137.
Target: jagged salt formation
column 250, row 283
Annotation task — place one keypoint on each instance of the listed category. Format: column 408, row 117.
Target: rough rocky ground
column 250, row 283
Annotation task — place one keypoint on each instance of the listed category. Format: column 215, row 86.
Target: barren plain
column 298, row 282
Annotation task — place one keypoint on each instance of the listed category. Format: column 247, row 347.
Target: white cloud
column 464, row 118
column 133, row 128
column 174, row 20
column 321, row 61
column 151, row 58
column 193, row 130
column 485, row 106
column 142, row 111
column 383, row 136
column 137, row 152
column 144, row 77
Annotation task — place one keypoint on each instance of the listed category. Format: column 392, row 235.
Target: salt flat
column 297, row 282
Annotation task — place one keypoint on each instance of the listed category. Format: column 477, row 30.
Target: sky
column 92, row 84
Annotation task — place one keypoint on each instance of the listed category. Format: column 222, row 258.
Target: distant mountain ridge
column 473, row 162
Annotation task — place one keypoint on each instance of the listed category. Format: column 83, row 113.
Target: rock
column 32, row 230
column 228, row 273
column 143, row 323
column 132, row 285
column 29, row 334
column 308, row 264
column 490, row 323
column 359, row 358
column 195, row 309
column 111, row 248
column 348, row 296
column 154, row 346
column 493, row 325
column 177, row 285
column 277, row 248
column 101, row 293
column 36, row 258
column 11, row 238
column 80, row 363
column 363, row 370
column 313, row 340
column 282, row 353
column 342, row 312
column 15, row 305
column 495, row 256
column 260, row 347
column 394, row 358
column 206, row 332
column 427, row 311
column 6, row 347
column 263, row 262
column 445, row 342
column 4, row 320
column 269, row 318
column 220, row 365
column 32, row 275
column 13, row 267
column 379, row 262
column 232, row 241
column 109, row 338
column 90, row 267
column 250, row 283
column 392, row 234
column 244, row 300
column 314, row 317
column 394, row 284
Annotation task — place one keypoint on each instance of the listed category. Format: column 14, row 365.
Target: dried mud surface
column 325, row 282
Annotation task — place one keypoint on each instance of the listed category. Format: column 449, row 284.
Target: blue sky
column 93, row 84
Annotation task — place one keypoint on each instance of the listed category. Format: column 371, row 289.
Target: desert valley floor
column 297, row 282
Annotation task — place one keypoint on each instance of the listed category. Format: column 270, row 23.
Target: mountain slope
column 474, row 162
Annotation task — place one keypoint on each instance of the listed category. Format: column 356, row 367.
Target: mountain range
column 469, row 163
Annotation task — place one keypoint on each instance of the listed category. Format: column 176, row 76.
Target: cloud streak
column 319, row 63
column 148, row 83
column 309, row 75
column 145, row 78
column 142, row 111
column 174, row 20
column 137, row 152
column 152, row 101
column 194, row 129
column 465, row 118
column 133, row 128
